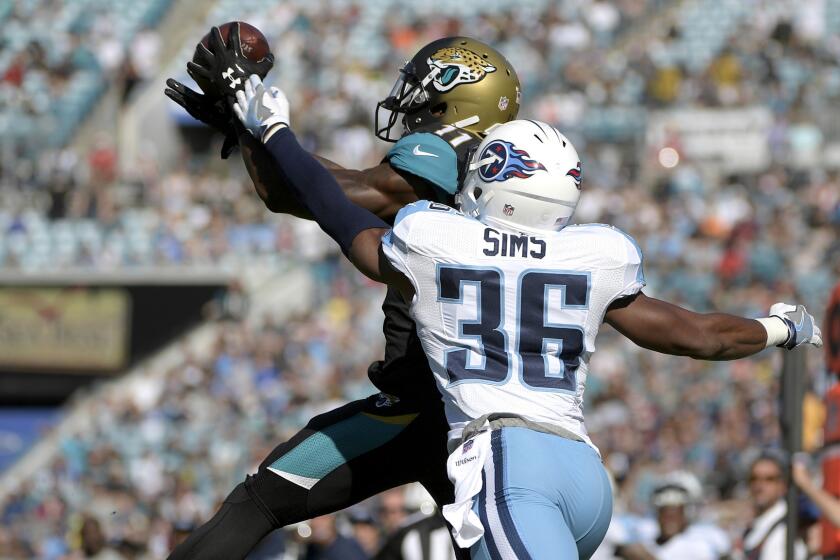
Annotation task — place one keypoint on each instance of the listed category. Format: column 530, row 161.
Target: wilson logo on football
column 506, row 161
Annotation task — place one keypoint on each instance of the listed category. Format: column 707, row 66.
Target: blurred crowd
column 75, row 210
column 152, row 458
column 156, row 459
column 57, row 58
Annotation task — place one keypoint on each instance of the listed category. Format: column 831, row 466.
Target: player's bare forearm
column 379, row 189
column 365, row 253
column 267, row 181
column 367, row 256
column 661, row 326
column 355, row 229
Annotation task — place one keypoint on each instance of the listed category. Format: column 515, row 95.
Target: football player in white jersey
column 508, row 299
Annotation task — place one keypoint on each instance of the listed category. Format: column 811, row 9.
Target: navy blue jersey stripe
column 482, row 515
column 501, row 502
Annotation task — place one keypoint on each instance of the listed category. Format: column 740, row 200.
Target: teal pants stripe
column 324, row 451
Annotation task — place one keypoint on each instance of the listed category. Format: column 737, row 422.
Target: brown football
column 253, row 43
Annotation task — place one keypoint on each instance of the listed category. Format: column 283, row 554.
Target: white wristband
column 777, row 330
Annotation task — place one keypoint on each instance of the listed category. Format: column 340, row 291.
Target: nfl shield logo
column 508, row 210
column 467, row 446
column 503, row 103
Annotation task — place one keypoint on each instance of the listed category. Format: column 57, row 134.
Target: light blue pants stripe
column 544, row 497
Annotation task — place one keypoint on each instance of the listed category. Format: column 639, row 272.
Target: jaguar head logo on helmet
column 524, row 176
column 456, row 66
column 455, row 81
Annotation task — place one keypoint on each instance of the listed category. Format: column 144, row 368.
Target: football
column 252, row 41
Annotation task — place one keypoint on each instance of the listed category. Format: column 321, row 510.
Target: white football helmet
column 524, row 176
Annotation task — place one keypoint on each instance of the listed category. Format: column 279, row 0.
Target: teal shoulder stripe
column 429, row 157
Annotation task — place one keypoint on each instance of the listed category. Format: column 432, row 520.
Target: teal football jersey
column 438, row 154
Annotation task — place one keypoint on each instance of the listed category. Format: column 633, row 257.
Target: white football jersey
column 507, row 320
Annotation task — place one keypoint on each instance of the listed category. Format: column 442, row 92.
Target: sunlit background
column 161, row 331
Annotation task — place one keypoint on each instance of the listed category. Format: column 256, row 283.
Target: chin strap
column 433, row 73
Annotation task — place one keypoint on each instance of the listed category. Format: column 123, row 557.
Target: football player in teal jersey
column 445, row 99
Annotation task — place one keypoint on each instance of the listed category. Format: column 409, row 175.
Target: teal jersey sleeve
column 429, row 157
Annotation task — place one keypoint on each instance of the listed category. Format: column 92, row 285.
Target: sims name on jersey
column 513, row 245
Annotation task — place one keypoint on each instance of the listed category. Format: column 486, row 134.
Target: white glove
column 262, row 112
column 802, row 328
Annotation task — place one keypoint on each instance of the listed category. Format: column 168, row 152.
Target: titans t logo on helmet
column 509, row 162
column 576, row 174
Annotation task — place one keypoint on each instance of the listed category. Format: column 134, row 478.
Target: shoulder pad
column 462, row 141
column 606, row 229
column 633, row 259
column 422, row 206
column 427, row 156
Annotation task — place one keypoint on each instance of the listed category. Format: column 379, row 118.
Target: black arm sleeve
column 319, row 192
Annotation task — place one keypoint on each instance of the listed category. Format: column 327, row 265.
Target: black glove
column 214, row 114
column 224, row 66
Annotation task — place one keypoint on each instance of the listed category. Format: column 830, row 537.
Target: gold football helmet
column 454, row 81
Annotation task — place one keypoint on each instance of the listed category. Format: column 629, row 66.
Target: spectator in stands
column 675, row 533
column 94, row 544
column 230, row 304
column 828, row 504
column 13, row 546
column 825, row 504
column 392, row 510
column 365, row 529
column 765, row 536
column 326, row 543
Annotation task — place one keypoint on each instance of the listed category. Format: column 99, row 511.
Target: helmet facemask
column 469, row 201
column 409, row 95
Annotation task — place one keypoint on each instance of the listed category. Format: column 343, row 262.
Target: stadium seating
column 48, row 59
column 734, row 241
column 156, row 423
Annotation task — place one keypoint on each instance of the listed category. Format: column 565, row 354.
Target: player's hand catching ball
column 802, row 328
column 225, row 66
column 262, row 112
column 213, row 113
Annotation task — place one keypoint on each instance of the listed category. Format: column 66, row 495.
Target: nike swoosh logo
column 418, row 152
